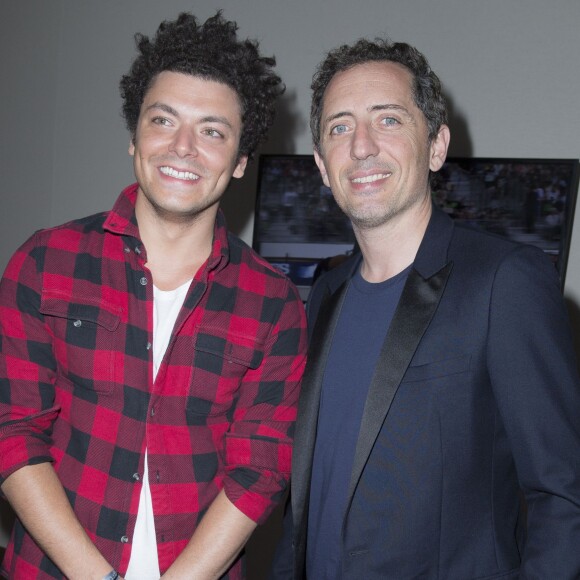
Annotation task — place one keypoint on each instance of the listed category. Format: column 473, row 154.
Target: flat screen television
column 297, row 223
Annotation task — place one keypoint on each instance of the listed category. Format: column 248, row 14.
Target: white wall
column 510, row 68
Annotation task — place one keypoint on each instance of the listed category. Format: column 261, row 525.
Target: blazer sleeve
column 533, row 371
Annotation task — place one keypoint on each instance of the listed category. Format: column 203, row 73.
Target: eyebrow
column 390, row 107
column 216, row 119
column 162, row 107
column 207, row 119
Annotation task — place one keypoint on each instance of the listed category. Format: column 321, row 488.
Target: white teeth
column 371, row 178
column 186, row 175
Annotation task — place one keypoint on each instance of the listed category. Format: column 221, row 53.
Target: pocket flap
column 96, row 311
column 439, row 368
column 243, row 350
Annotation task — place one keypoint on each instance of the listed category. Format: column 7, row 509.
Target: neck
column 175, row 251
column 389, row 249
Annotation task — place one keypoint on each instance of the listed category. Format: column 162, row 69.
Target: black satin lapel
column 414, row 312
column 305, row 432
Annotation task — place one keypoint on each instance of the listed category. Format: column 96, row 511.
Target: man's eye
column 338, row 129
column 390, row 121
column 213, row 133
column 161, row 121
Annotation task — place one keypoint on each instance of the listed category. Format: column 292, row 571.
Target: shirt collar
column 121, row 220
column 220, row 253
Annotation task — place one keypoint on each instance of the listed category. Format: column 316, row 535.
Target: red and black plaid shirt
column 76, row 386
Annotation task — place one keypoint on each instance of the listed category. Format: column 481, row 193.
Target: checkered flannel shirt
column 76, row 386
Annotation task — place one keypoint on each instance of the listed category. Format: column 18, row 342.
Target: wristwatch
column 112, row 575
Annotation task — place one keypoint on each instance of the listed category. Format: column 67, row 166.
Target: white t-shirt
column 144, row 562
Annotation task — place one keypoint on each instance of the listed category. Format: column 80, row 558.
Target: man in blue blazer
column 438, row 434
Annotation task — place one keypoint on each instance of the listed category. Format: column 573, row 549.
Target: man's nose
column 184, row 142
column 363, row 143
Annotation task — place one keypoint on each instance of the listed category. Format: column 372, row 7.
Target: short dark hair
column 427, row 92
column 210, row 51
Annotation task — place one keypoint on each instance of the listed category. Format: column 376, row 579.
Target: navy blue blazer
column 475, row 402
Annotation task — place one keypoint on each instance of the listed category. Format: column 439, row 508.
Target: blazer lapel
column 414, row 312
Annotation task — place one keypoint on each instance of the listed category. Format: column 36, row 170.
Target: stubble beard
column 184, row 216
column 364, row 217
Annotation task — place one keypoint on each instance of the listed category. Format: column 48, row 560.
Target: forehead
column 179, row 89
column 365, row 83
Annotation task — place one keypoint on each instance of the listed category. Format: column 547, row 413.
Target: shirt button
column 149, row 345
column 137, row 250
column 126, row 250
column 153, row 411
column 143, row 281
column 136, row 477
column 77, row 323
column 124, row 539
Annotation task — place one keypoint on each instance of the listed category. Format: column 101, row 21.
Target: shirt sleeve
column 27, row 365
column 258, row 448
column 533, row 371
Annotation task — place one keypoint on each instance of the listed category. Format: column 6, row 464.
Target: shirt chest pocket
column 221, row 362
column 85, row 338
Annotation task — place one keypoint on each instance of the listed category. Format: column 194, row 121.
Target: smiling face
column 375, row 152
column 186, row 146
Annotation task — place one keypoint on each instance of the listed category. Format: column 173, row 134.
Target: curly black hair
column 427, row 92
column 210, row 51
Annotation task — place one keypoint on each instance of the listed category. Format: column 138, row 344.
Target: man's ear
column 438, row 148
column 132, row 147
column 322, row 168
column 241, row 166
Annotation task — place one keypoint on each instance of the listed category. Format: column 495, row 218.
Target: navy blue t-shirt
column 361, row 329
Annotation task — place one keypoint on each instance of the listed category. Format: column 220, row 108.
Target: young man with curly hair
column 150, row 362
